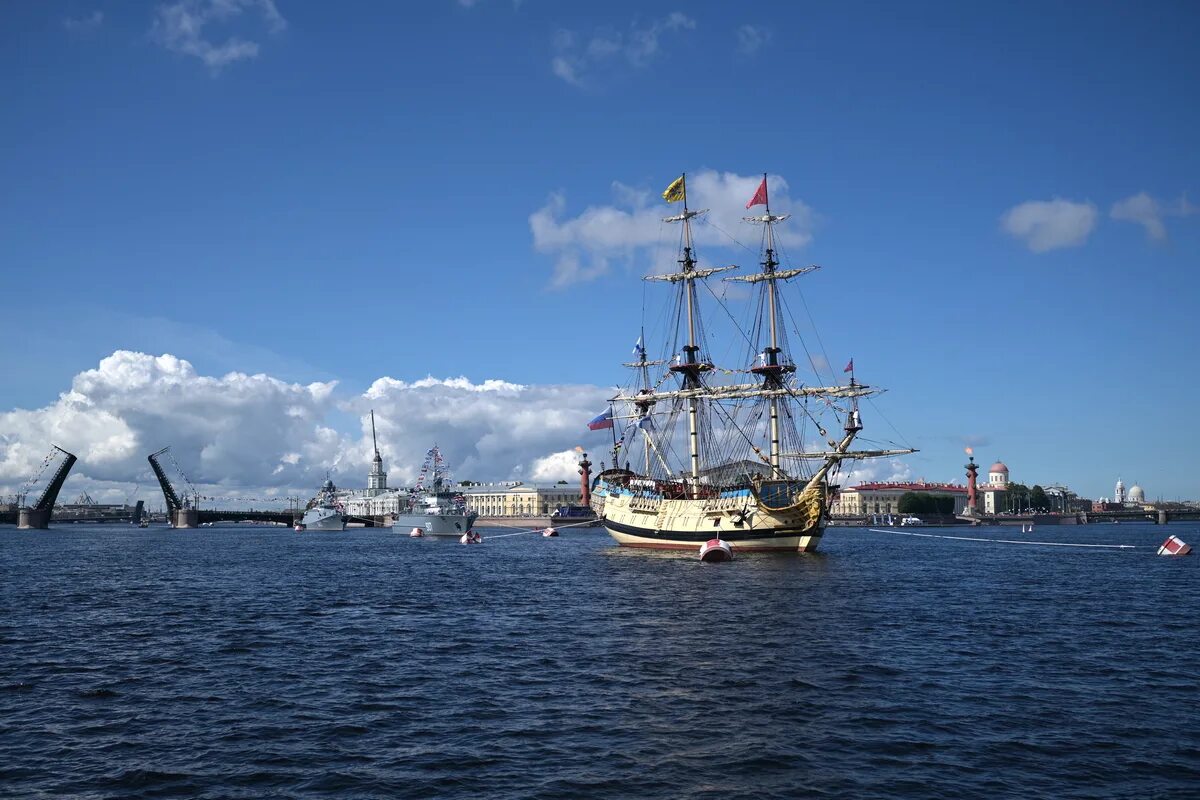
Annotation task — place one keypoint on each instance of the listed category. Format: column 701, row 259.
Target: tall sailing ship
column 749, row 460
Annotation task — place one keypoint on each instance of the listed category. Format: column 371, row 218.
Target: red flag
column 849, row 367
column 760, row 197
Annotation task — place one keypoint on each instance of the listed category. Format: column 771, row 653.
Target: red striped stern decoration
column 1174, row 546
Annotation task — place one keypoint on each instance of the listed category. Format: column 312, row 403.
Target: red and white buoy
column 550, row 532
column 471, row 537
column 1174, row 546
column 416, row 533
column 716, row 550
column 299, row 527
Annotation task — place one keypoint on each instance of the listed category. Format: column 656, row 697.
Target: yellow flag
column 676, row 191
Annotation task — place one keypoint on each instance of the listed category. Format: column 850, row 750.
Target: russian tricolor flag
column 601, row 422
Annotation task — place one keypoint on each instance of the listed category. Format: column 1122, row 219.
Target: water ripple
column 258, row 663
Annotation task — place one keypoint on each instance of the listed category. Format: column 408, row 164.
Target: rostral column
column 972, row 468
column 585, row 480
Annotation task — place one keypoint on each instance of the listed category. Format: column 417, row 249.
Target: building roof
column 998, row 467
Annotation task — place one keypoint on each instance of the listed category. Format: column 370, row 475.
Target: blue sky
column 330, row 192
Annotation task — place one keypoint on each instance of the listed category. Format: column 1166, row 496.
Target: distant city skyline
column 236, row 227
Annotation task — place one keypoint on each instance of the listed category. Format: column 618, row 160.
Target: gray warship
column 323, row 512
column 433, row 506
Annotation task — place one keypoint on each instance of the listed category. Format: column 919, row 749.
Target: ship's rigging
column 701, row 421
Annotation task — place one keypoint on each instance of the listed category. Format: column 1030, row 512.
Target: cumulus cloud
column 585, row 245
column 576, row 56
column 1149, row 212
column 494, row 430
column 752, row 38
column 88, row 22
column 181, row 28
column 891, row 470
column 242, row 435
column 231, row 431
column 1050, row 224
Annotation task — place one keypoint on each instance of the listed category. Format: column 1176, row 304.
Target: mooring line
column 535, row 530
column 1006, row 541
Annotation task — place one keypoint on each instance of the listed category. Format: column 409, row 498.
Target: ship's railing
column 672, row 490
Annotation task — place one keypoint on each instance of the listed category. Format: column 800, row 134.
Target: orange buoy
column 716, row 550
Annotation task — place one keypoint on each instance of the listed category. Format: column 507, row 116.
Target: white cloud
column 583, row 246
column 493, row 430
column 180, row 27
column 574, row 58
column 891, row 470
column 563, row 466
column 245, row 435
column 1144, row 210
column 84, row 23
column 1050, row 224
column 752, row 38
column 228, row 431
column 1149, row 212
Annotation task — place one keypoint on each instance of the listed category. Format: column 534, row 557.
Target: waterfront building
column 884, row 498
column 995, row 491
column 519, row 499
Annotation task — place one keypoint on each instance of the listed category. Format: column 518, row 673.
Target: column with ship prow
column 689, row 365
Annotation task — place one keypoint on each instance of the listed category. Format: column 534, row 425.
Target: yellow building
column 520, row 499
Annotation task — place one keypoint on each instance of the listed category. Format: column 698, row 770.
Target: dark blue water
column 261, row 663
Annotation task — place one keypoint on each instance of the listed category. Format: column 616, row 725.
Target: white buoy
column 716, row 550
column 416, row 533
column 550, row 532
column 299, row 527
column 1174, row 546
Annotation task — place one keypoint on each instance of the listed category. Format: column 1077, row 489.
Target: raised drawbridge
column 37, row 516
column 181, row 511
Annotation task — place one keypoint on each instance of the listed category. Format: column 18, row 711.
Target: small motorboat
column 548, row 532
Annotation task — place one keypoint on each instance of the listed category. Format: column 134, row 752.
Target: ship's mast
column 641, row 401
column 772, row 365
column 691, row 377
column 769, row 265
column 690, row 366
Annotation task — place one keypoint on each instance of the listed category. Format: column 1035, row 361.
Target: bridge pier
column 1162, row 516
column 185, row 518
column 33, row 519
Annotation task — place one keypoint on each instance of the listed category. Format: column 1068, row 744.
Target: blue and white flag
column 638, row 350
